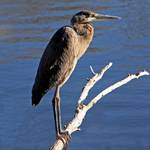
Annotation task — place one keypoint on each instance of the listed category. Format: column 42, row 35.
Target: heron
column 60, row 58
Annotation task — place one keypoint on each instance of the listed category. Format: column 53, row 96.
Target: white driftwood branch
column 82, row 109
column 115, row 86
column 92, row 81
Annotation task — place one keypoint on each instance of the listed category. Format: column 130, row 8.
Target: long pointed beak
column 105, row 17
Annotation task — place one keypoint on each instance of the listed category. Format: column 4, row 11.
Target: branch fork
column 82, row 109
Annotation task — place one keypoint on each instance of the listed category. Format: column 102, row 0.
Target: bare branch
column 91, row 83
column 92, row 70
column 81, row 110
column 115, row 86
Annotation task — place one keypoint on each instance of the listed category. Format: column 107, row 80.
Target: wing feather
column 56, row 63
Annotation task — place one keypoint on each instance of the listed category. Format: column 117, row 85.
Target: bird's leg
column 58, row 111
column 60, row 133
column 55, row 112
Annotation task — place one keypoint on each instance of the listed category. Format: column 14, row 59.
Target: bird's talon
column 65, row 137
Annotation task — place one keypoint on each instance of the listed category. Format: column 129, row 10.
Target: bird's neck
column 85, row 34
column 84, row 30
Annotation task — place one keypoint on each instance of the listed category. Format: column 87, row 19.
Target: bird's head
column 87, row 16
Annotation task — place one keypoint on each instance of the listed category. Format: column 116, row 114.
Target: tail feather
column 37, row 94
column 36, row 98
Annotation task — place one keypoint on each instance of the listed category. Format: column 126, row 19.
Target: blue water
column 121, row 121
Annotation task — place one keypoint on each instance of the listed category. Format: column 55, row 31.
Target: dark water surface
column 121, row 121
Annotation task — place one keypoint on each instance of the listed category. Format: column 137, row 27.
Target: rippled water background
column 121, row 121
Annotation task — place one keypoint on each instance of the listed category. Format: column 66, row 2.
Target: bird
column 60, row 58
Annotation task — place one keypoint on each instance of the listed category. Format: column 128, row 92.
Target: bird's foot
column 64, row 136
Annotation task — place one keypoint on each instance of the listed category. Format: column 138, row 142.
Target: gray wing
column 56, row 62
